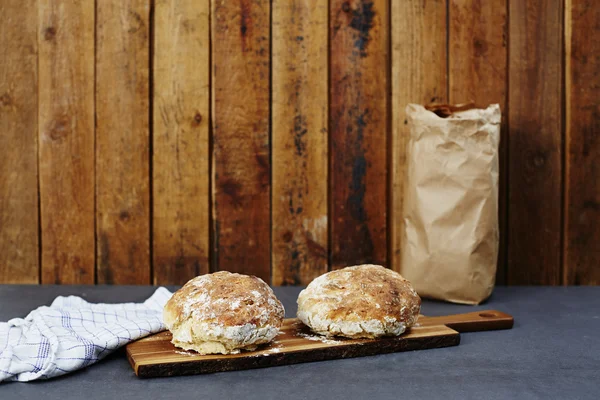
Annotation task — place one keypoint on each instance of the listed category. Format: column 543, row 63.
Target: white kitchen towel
column 72, row 334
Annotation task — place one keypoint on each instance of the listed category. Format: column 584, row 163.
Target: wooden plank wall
column 19, row 217
column 358, row 36
column 123, row 141
column 181, row 156
column 149, row 141
column 66, row 141
column 300, row 152
column 241, row 173
column 535, row 170
column 582, row 119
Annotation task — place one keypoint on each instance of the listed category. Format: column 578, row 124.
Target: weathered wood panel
column 181, row 132
column 582, row 193
column 299, row 115
column 535, row 142
column 419, row 75
column 241, row 160
column 66, row 141
column 137, row 188
column 122, row 141
column 478, row 53
column 359, row 129
column 19, row 251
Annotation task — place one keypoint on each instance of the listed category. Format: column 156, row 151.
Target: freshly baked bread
column 364, row 301
column 223, row 313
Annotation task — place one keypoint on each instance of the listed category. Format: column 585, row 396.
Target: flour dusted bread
column 364, row 301
column 223, row 313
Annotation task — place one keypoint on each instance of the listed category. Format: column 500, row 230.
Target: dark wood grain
column 241, row 160
column 419, row 75
column 19, row 216
column 66, row 141
column 122, row 141
column 73, row 189
column 582, row 192
column 535, row 142
column 155, row 356
column 359, row 129
column 181, row 102
column 299, row 117
column 477, row 43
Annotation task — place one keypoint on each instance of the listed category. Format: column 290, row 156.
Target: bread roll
column 364, row 301
column 223, row 313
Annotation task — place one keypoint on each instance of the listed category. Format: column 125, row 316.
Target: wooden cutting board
column 155, row 356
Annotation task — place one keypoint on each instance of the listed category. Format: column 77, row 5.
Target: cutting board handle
column 486, row 320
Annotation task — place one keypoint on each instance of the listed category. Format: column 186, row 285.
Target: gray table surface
column 553, row 352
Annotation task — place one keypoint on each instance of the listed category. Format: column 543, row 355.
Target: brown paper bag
column 450, row 241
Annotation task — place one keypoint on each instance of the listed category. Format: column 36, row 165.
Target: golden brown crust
column 382, row 285
column 374, row 300
column 223, row 313
column 227, row 299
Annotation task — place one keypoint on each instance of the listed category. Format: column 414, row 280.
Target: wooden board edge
column 131, row 360
column 477, row 321
column 363, row 349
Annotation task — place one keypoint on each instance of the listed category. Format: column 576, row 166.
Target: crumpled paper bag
column 450, row 240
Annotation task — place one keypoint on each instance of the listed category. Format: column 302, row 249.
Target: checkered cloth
column 72, row 334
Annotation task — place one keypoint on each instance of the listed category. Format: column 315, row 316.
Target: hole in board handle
column 487, row 315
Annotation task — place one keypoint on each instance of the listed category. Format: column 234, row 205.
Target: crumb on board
column 185, row 353
column 319, row 338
